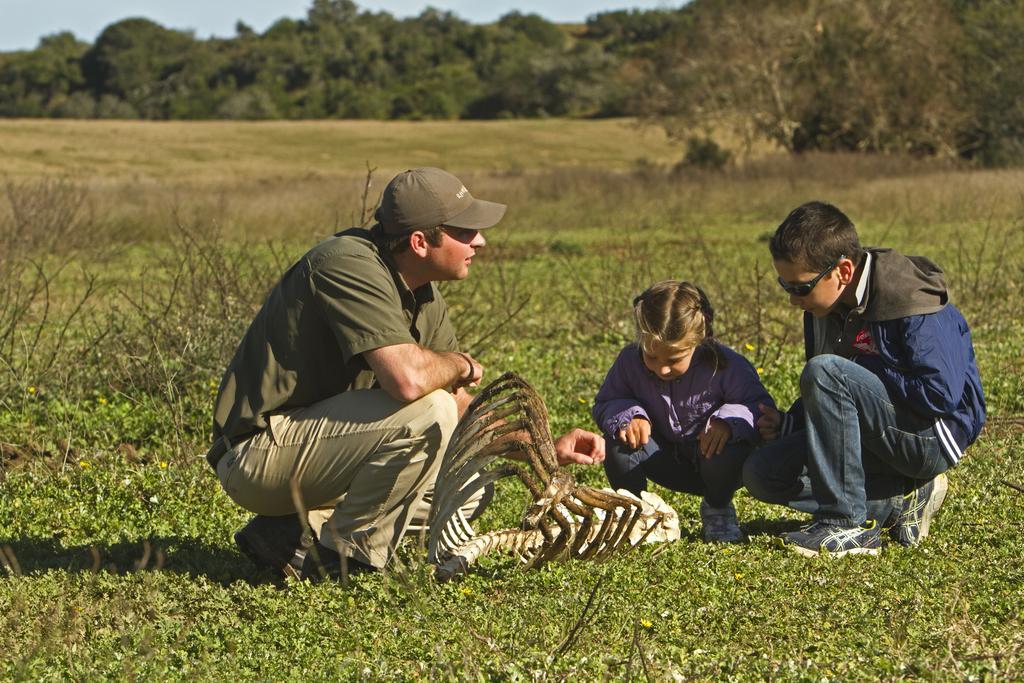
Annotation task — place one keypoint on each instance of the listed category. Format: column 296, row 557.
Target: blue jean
column 858, row 454
column 677, row 466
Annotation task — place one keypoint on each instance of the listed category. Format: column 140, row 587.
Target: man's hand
column 579, row 447
column 714, row 437
column 636, row 433
column 769, row 422
column 462, row 400
column 472, row 373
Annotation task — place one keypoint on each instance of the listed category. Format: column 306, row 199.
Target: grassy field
column 133, row 255
column 214, row 151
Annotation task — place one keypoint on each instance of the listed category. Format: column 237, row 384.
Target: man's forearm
column 430, row 371
column 409, row 372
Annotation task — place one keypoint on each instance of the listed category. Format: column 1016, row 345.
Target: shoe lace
column 814, row 526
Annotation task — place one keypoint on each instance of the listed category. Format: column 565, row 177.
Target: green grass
column 117, row 537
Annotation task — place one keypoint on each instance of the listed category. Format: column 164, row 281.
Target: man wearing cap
column 350, row 380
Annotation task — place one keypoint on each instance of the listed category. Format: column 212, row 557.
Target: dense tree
column 887, row 75
column 992, row 58
column 627, row 31
column 533, row 29
column 921, row 76
column 138, row 61
column 331, row 13
column 40, row 82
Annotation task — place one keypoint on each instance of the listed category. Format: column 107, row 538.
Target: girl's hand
column 769, row 422
column 636, row 433
column 714, row 437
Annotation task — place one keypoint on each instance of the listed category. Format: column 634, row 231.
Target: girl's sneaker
column 720, row 525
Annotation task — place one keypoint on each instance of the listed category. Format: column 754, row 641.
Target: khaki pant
column 363, row 462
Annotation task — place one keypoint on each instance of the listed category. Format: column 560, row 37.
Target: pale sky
column 23, row 22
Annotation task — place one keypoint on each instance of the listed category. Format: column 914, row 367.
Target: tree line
column 930, row 77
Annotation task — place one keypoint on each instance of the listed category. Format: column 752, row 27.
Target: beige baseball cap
column 422, row 198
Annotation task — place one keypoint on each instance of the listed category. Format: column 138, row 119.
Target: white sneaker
column 919, row 507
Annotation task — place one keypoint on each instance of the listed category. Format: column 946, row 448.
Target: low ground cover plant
column 117, row 560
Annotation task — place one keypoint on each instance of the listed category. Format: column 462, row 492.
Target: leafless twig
column 366, row 210
column 636, row 647
column 1013, row 486
column 9, row 560
column 570, row 637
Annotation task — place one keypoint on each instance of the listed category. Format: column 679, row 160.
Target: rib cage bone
column 564, row 521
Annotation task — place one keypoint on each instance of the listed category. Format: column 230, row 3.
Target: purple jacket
column 680, row 409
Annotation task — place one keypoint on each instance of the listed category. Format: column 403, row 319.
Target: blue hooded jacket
column 905, row 331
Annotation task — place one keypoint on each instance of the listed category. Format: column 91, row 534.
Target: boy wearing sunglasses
column 890, row 396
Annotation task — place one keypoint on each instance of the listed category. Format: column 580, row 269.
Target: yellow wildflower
column 748, row 346
column 646, row 623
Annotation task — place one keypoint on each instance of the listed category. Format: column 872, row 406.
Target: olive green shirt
column 342, row 298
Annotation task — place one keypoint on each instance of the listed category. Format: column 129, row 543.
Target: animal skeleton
column 564, row 521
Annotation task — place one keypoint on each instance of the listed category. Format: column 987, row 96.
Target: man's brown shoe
column 327, row 565
column 275, row 543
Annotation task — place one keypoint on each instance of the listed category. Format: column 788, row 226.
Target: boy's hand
column 714, row 437
column 636, row 433
column 769, row 422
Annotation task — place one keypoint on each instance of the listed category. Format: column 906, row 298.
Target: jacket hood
column 900, row 286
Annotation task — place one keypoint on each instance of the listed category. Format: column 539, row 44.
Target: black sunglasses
column 804, row 288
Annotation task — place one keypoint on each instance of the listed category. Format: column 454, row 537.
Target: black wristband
column 469, row 362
